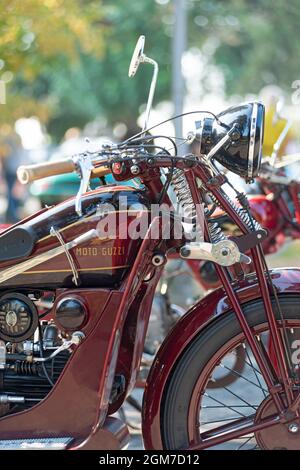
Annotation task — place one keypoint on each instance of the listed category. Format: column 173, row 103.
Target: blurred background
column 64, row 63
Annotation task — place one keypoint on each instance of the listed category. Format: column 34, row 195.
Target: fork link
column 225, row 252
column 221, row 250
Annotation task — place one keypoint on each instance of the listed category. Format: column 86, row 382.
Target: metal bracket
column 55, row 233
column 219, row 145
column 246, row 242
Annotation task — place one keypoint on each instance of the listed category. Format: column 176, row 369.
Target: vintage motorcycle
column 63, row 378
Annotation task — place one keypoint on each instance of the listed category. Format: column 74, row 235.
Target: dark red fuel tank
column 102, row 262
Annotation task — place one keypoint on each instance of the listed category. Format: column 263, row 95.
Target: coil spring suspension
column 215, row 232
column 184, row 197
column 242, row 213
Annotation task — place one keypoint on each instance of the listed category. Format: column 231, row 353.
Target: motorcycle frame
column 277, row 383
column 199, row 318
column 285, row 224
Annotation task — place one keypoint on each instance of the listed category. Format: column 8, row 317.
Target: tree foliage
column 103, row 84
column 37, row 32
column 253, row 41
column 69, row 58
column 37, row 36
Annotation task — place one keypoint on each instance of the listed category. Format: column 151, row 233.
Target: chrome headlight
column 241, row 154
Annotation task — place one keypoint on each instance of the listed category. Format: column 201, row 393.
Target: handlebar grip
column 100, row 171
column 28, row 173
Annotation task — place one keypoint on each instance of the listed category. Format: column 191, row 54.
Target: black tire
column 191, row 364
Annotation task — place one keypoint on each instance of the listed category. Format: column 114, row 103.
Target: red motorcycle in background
column 101, row 255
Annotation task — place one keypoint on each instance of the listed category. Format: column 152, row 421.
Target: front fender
column 286, row 280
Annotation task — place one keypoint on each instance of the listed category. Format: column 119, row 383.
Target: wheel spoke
column 240, row 398
column 256, row 371
column 242, row 377
column 244, row 443
column 237, row 424
column 224, row 405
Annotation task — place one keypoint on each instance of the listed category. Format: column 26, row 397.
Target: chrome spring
column 185, row 207
column 185, row 201
column 242, row 213
column 216, row 233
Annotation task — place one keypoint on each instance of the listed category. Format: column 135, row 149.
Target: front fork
column 279, row 383
column 276, row 384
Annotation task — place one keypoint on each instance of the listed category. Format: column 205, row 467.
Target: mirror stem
column 152, row 88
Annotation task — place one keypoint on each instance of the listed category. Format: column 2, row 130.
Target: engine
column 32, row 353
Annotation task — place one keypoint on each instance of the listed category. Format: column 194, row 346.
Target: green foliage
column 254, row 41
column 103, row 84
column 70, row 57
column 40, row 35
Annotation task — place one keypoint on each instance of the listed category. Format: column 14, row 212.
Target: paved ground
column 134, row 418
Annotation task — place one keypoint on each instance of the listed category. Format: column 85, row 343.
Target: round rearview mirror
column 137, row 56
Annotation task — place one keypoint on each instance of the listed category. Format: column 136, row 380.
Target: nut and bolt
column 135, row 169
column 158, row 260
column 293, row 428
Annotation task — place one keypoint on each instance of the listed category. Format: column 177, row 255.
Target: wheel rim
column 214, row 412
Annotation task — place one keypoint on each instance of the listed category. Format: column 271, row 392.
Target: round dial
column 18, row 317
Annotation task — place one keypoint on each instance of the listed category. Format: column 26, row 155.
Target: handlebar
column 100, row 171
column 28, row 173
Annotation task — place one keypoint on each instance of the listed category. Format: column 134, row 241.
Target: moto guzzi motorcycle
column 65, row 372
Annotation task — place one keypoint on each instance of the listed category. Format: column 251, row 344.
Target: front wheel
column 193, row 413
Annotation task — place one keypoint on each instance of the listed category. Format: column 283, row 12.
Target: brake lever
column 84, row 167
